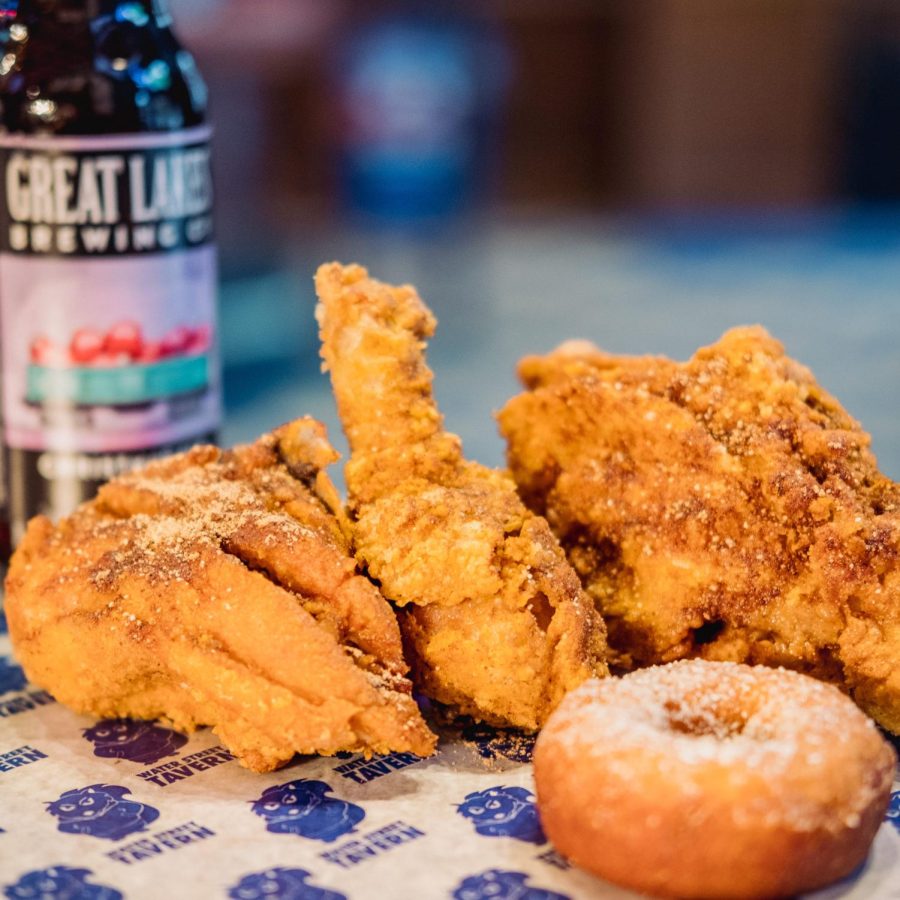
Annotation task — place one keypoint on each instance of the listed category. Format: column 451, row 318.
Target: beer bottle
column 107, row 261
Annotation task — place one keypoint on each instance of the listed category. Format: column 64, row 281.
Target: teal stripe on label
column 118, row 385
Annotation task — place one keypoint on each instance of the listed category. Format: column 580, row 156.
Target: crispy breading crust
column 726, row 508
column 215, row 588
column 495, row 618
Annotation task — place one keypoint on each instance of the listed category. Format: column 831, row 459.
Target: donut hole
column 697, row 720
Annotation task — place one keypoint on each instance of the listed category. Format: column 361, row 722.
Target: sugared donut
column 712, row 779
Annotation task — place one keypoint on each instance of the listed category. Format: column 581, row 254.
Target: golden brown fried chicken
column 215, row 588
column 726, row 508
column 495, row 618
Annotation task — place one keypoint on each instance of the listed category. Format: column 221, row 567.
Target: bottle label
column 107, row 305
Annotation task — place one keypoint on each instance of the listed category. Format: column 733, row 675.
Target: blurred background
column 642, row 173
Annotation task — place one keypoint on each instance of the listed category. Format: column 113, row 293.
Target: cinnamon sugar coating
column 216, row 588
column 496, row 620
column 725, row 508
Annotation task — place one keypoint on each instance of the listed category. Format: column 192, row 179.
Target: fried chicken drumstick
column 496, row 620
column 215, row 588
column 726, row 508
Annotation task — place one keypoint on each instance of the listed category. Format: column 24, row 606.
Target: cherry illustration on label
column 151, row 352
column 43, row 352
column 124, row 338
column 176, row 341
column 201, row 339
column 86, row 345
column 123, row 344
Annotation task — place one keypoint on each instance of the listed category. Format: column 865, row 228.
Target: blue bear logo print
column 303, row 807
column 285, row 884
column 12, row 678
column 100, row 810
column 893, row 810
column 504, row 812
column 497, row 884
column 59, row 883
column 492, row 743
column 140, row 742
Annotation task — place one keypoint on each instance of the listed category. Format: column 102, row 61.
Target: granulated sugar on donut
column 712, row 779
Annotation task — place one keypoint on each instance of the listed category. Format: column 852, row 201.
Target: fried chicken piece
column 216, row 588
column 495, row 618
column 725, row 508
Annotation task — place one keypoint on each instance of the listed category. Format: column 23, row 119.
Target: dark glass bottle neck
column 95, row 67
column 73, row 11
